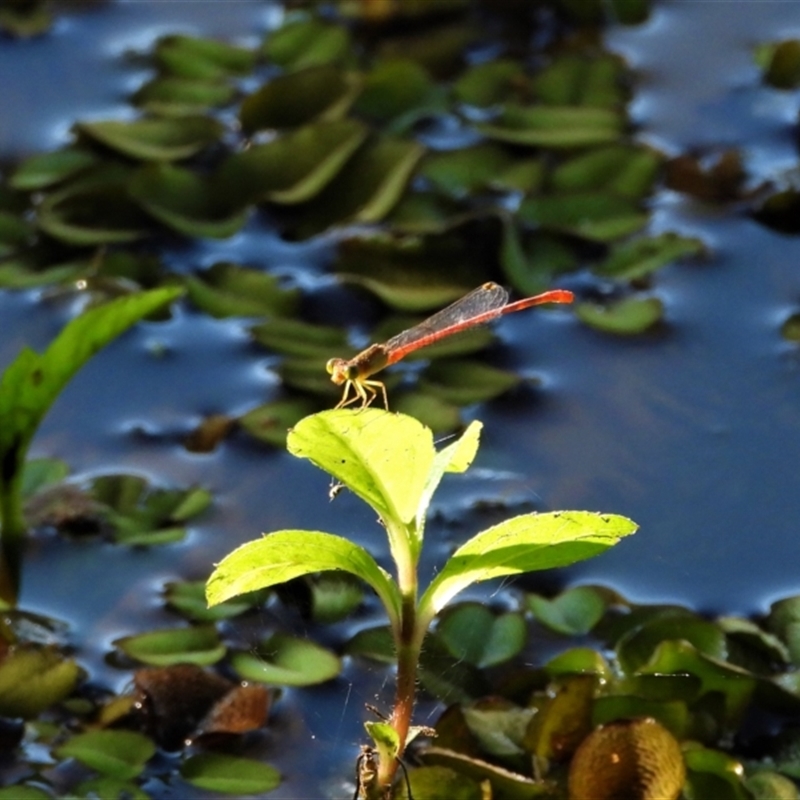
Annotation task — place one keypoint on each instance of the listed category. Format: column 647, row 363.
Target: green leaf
column 473, row 633
column 490, row 83
column 553, row 126
column 118, row 754
column 45, row 170
column 293, row 337
column 284, row 660
column 206, row 59
column 463, row 382
column 307, row 42
column 367, row 190
column 155, row 139
column 712, row 773
column 463, row 171
column 197, row 645
column 781, row 64
column 93, row 209
column 317, row 93
column 383, row 458
column 641, row 257
column 574, row 612
column 231, row 290
column 292, row 168
column 790, row 329
column 375, row 643
column 387, row 742
column 271, row 422
column 596, row 216
column 439, row 781
column 283, row 555
column 395, row 88
column 33, row 679
column 768, row 785
column 188, row 598
column 622, row 170
column 626, row 317
column 187, row 202
column 577, row 80
column 437, row 415
column 23, row 792
column 171, row 96
column 524, row 544
column 32, row 382
column 218, row 772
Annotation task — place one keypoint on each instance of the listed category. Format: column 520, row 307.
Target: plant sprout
column 390, row 462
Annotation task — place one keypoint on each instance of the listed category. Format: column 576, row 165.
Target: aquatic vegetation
column 390, row 462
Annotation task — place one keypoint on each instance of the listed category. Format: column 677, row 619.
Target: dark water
column 693, row 432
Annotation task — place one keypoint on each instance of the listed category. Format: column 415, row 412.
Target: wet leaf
column 471, row 632
column 187, row 202
column 461, row 172
column 316, row 93
column 205, row 59
column 553, row 126
column 294, row 337
column 231, row 290
column 504, row 782
column 197, row 645
column 625, row 759
column 45, row 170
column 712, row 773
column 188, row 598
column 625, row 317
column 463, row 382
column 284, row 660
column 293, row 168
column 117, row 754
column 525, row 543
column 32, row 679
column 367, row 190
column 641, row 257
column 271, row 422
column 767, row 785
column 155, row 139
column 229, row 774
column 396, row 88
column 574, row 612
column 591, row 215
column 439, row 781
column 172, row 96
column 619, row 169
column 577, row 80
column 94, row 209
column 493, row 82
column 308, row 42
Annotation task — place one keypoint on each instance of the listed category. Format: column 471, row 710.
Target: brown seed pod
column 627, row 760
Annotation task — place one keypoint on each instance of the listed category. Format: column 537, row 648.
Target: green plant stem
column 12, row 541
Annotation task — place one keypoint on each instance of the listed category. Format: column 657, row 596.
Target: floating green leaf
column 45, row 170
column 396, row 88
column 187, row 202
column 205, row 59
column 472, row 632
column 625, row 317
column 781, row 63
column 367, row 190
column 231, row 290
column 118, row 754
column 463, row 382
column 293, row 168
column 491, row 83
column 460, row 172
column 636, row 259
column 553, row 126
column 574, row 612
column 577, row 80
column 33, row 679
column 308, row 42
column 284, row 660
column 188, row 598
column 155, row 139
column 218, row 772
column 316, row 93
column 596, row 216
column 196, row 645
column 271, row 422
column 171, row 96
column 294, row 337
